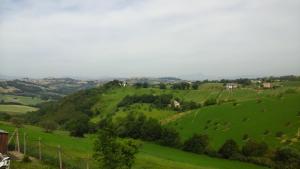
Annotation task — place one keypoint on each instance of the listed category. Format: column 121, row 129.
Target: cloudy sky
column 125, row 38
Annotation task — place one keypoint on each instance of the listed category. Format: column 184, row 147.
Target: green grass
column 16, row 109
column 25, row 100
column 30, row 165
column 150, row 155
column 273, row 114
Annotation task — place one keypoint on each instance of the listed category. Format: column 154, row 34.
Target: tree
column 253, row 148
column 145, row 85
column 113, row 153
column 229, row 149
column 162, row 86
column 49, row 126
column 151, row 129
column 169, row 137
column 78, row 126
column 196, row 144
column 195, row 85
column 210, row 101
column 17, row 121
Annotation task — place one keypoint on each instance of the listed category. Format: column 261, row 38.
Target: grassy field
column 16, row 109
column 150, row 155
column 25, row 100
column 260, row 119
column 30, row 165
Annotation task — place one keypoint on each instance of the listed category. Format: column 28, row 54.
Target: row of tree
column 159, row 101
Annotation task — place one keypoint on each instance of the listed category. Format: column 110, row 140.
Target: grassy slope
column 248, row 117
column 31, row 165
column 107, row 102
column 25, row 100
column 150, row 156
column 16, row 109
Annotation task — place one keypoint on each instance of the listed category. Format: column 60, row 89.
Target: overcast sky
column 126, row 38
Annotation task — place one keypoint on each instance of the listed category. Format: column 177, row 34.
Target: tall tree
column 114, row 153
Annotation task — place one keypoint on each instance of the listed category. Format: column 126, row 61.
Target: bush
column 287, row 157
column 253, row 148
column 290, row 91
column 26, row 159
column 196, row 144
column 279, row 134
column 17, row 121
column 245, row 137
column 162, row 86
column 4, row 116
column 229, row 149
column 49, row 126
column 78, row 126
column 211, row 101
column 169, row 137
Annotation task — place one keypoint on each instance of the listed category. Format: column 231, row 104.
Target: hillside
column 241, row 114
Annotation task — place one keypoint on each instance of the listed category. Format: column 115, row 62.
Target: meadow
column 150, row 155
column 257, row 119
column 24, row 100
column 16, row 109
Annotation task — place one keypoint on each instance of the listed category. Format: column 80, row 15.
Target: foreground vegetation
column 150, row 155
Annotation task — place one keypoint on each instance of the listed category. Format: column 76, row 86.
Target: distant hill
column 47, row 88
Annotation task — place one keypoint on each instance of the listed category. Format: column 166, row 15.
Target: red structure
column 3, row 141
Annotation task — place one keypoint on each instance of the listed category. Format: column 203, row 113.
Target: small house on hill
column 3, row 141
column 231, row 86
column 267, row 85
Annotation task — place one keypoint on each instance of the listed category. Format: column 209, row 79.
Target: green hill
column 260, row 119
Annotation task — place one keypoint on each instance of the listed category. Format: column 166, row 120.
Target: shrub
column 26, row 159
column 253, row 148
column 287, row 157
column 18, row 122
column 211, row 101
column 245, row 137
column 290, row 91
column 196, row 144
column 169, row 137
column 229, row 149
column 279, row 134
column 49, row 126
column 78, row 126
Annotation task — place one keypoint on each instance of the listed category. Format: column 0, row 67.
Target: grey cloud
column 149, row 37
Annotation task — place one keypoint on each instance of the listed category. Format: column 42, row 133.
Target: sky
column 133, row 38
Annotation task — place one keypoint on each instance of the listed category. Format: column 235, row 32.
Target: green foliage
column 229, row 149
column 141, row 127
column 113, row 153
column 17, row 122
column 287, row 158
column 49, row 126
column 4, row 116
column 79, row 126
column 197, row 144
column 181, row 86
column 161, row 101
column 162, row 86
column 26, row 159
column 254, row 148
column 210, row 101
